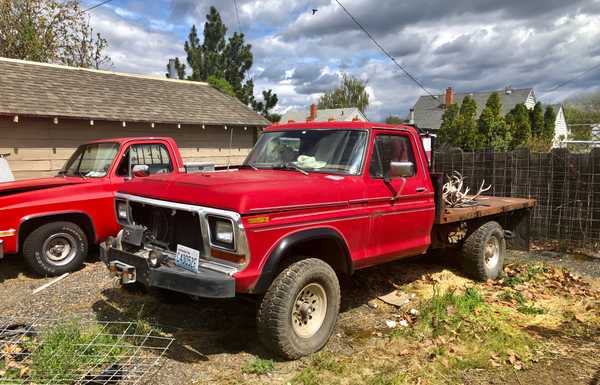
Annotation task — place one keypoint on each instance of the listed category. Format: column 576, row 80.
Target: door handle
column 421, row 189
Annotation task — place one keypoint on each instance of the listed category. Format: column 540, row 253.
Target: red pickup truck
column 312, row 201
column 53, row 221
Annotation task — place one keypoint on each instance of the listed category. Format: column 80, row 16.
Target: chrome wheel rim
column 309, row 310
column 60, row 249
column 491, row 253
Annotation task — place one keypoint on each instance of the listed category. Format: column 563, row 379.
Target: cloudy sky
column 471, row 45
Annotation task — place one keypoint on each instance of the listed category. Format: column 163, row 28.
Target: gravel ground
column 216, row 338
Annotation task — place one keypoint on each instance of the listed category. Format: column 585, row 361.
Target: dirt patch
column 216, row 341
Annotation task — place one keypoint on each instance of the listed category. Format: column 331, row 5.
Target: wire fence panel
column 52, row 352
column 566, row 186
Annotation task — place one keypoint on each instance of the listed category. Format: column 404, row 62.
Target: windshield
column 329, row 151
column 91, row 160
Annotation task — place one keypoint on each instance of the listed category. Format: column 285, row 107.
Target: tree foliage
column 469, row 137
column 50, row 31
column 222, row 59
column 492, row 125
column 549, row 124
column 222, row 85
column 266, row 105
column 393, row 119
column 350, row 93
column 449, row 133
column 537, row 120
column 519, row 125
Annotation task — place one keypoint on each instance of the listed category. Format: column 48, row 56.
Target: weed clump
column 258, row 366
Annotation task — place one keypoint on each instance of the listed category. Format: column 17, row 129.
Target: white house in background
column 427, row 111
column 561, row 131
column 325, row 115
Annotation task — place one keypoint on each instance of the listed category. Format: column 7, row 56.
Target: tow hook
column 122, row 272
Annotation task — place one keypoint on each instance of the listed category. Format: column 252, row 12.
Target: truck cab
column 312, row 201
column 53, row 221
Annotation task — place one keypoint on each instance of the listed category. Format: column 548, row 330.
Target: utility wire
column 386, row 53
column 96, row 6
column 237, row 16
column 560, row 85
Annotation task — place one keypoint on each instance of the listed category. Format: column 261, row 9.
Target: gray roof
column 338, row 114
column 38, row 89
column 429, row 111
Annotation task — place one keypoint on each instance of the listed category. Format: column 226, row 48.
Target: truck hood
column 27, row 185
column 249, row 191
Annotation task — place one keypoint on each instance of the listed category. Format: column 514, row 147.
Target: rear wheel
column 484, row 251
column 297, row 315
column 55, row 248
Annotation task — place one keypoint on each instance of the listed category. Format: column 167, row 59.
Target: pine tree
column 492, row 125
column 223, row 63
column 238, row 59
column 519, row 126
column 448, row 133
column 269, row 102
column 549, row 124
column 537, row 120
column 467, row 129
column 212, row 63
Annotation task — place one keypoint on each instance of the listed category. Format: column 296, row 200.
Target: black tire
column 476, row 263
column 275, row 320
column 53, row 234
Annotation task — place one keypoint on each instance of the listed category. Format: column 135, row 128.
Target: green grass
column 258, row 366
column 387, row 376
column 327, row 361
column 522, row 305
column 524, row 274
column 474, row 332
column 445, row 311
column 308, row 376
column 70, row 349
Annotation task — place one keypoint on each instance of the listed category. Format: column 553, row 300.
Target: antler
column 453, row 194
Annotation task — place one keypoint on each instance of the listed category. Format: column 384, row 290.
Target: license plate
column 187, row 258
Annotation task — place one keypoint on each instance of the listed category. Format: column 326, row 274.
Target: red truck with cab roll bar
column 312, row 201
column 52, row 221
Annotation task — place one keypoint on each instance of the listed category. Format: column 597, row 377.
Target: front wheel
column 297, row 315
column 56, row 248
column 483, row 252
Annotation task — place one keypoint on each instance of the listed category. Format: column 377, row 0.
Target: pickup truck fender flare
column 90, row 232
column 279, row 253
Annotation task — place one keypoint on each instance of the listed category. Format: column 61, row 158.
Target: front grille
column 168, row 227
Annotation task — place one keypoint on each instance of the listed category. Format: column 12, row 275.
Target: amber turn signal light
column 231, row 257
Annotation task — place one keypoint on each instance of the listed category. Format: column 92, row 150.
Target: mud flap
column 516, row 226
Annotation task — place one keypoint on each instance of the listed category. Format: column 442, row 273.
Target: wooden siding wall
column 38, row 147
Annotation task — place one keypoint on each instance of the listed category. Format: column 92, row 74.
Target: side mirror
column 402, row 169
column 140, row 170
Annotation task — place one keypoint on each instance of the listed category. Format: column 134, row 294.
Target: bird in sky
column 314, row 10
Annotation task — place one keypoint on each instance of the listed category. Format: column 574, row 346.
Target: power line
column 560, row 85
column 97, row 5
column 237, row 16
column 385, row 52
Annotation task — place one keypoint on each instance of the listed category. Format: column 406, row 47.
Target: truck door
column 154, row 155
column 401, row 209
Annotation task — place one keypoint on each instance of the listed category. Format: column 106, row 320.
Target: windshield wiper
column 289, row 166
column 251, row 165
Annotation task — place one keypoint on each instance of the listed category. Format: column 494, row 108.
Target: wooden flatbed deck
column 487, row 206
